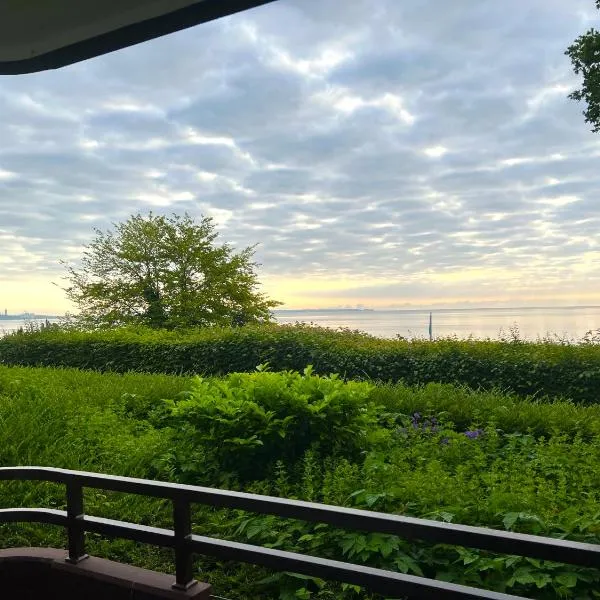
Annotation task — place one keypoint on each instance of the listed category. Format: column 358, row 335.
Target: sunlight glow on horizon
column 42, row 296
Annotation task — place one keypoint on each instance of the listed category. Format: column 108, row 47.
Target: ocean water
column 570, row 322
column 10, row 325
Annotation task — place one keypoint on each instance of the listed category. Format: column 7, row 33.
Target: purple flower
column 415, row 419
column 474, row 434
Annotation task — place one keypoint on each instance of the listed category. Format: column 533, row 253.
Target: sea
column 568, row 323
column 530, row 323
column 12, row 325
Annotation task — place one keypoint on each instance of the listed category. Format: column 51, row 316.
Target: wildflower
column 415, row 420
column 474, row 434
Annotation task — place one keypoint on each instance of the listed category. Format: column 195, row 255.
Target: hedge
column 525, row 368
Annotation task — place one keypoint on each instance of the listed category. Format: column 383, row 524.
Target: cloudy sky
column 380, row 152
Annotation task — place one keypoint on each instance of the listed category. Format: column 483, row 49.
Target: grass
column 466, row 407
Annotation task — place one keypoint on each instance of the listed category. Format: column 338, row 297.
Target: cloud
column 379, row 152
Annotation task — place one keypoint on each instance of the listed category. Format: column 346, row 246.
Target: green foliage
column 507, row 481
column 246, row 423
column 530, row 467
column 165, row 272
column 585, row 57
column 525, row 368
column 465, row 407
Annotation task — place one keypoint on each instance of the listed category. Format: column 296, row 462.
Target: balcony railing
column 186, row 544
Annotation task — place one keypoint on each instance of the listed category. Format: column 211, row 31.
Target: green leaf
column 406, row 564
column 510, row 519
column 522, row 575
column 541, row 579
column 569, row 580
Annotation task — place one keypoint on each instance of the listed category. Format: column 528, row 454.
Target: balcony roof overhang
column 36, row 35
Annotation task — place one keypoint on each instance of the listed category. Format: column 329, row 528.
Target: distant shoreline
column 283, row 311
column 336, row 310
column 428, row 310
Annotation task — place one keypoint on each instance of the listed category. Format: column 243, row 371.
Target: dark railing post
column 75, row 529
column 184, row 566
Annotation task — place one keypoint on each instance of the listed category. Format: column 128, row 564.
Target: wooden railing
column 185, row 544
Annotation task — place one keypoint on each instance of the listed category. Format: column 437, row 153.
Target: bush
column 528, row 369
column 246, row 423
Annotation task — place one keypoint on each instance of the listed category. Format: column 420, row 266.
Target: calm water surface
column 572, row 322
column 10, row 325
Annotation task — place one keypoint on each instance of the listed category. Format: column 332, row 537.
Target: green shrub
column 246, row 423
column 527, row 369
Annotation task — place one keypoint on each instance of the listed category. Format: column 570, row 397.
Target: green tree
column 584, row 53
column 165, row 272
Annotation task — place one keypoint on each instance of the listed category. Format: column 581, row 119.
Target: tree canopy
column 585, row 57
column 165, row 272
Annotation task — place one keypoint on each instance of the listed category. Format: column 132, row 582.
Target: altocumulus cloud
column 380, row 152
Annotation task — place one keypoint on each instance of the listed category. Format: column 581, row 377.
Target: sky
column 380, row 153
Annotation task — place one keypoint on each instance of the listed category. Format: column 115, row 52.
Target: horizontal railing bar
column 376, row 580
column 138, row 533
column 33, row 515
column 558, row 550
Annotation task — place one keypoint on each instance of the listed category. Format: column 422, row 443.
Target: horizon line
column 439, row 308
column 411, row 308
